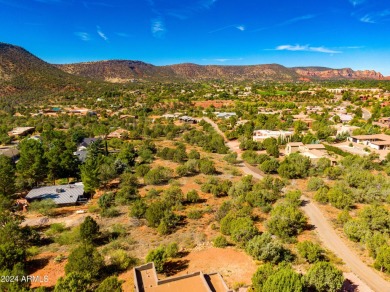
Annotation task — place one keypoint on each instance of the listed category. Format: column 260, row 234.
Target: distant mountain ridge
column 125, row 70
column 21, row 71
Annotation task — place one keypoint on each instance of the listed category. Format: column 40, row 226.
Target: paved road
column 327, row 234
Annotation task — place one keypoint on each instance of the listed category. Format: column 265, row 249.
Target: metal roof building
column 60, row 194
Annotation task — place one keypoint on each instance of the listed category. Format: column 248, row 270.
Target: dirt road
column 334, row 243
column 326, row 233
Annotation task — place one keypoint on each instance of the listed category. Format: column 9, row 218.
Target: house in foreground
column 62, row 195
column 145, row 280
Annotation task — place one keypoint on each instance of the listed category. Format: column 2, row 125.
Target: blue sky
column 331, row 33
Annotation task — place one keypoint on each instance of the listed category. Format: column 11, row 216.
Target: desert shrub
column 158, row 175
column 286, row 221
column 315, row 183
column 261, row 275
column 382, row 260
column 206, row 166
column 193, row 196
column 73, row 282
column 45, row 207
column 324, row 277
column 159, row 257
column 172, row 250
column 55, row 228
column 285, row 279
column 110, row 212
column 68, row 237
column 85, row 259
column 195, row 214
column 121, row 260
column 220, row 241
column 310, row 251
column 264, row 248
column 138, row 209
column 242, row 230
column 111, row 284
column 321, row 195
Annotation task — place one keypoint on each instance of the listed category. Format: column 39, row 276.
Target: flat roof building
column 260, row 135
column 145, row 280
column 377, row 141
column 21, row 131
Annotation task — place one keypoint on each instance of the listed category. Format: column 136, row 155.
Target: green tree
column 270, row 166
column 31, row 167
column 159, row 257
column 138, row 209
column 193, row 196
column 158, row 175
column 382, row 260
column 111, row 284
column 261, row 275
column 74, row 282
column 90, row 173
column 107, row 172
column 324, row 277
column 7, row 176
column 294, row 166
column 286, row 221
column 242, row 229
column 264, row 248
column 45, row 207
column 310, row 251
column 85, row 259
column 206, row 166
column 89, row 229
column 284, row 280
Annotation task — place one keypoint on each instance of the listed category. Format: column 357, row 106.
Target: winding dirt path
column 325, row 232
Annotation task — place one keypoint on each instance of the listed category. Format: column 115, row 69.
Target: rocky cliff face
column 345, row 73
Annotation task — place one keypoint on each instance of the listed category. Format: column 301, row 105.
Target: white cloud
column 158, row 28
column 356, row 2
column 306, row 48
column 101, row 33
column 223, row 60
column 375, row 16
column 367, row 19
column 240, row 27
column 84, row 36
column 288, row 22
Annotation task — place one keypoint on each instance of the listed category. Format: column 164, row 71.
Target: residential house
column 146, row 280
column 225, row 115
column 377, row 141
column 260, row 135
column 11, row 152
column 313, row 151
column 292, row 147
column 118, row 134
column 62, row 195
column 21, row 131
column 344, row 129
column 85, row 143
column 303, row 118
column 187, row 119
column 345, row 118
column 385, row 103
